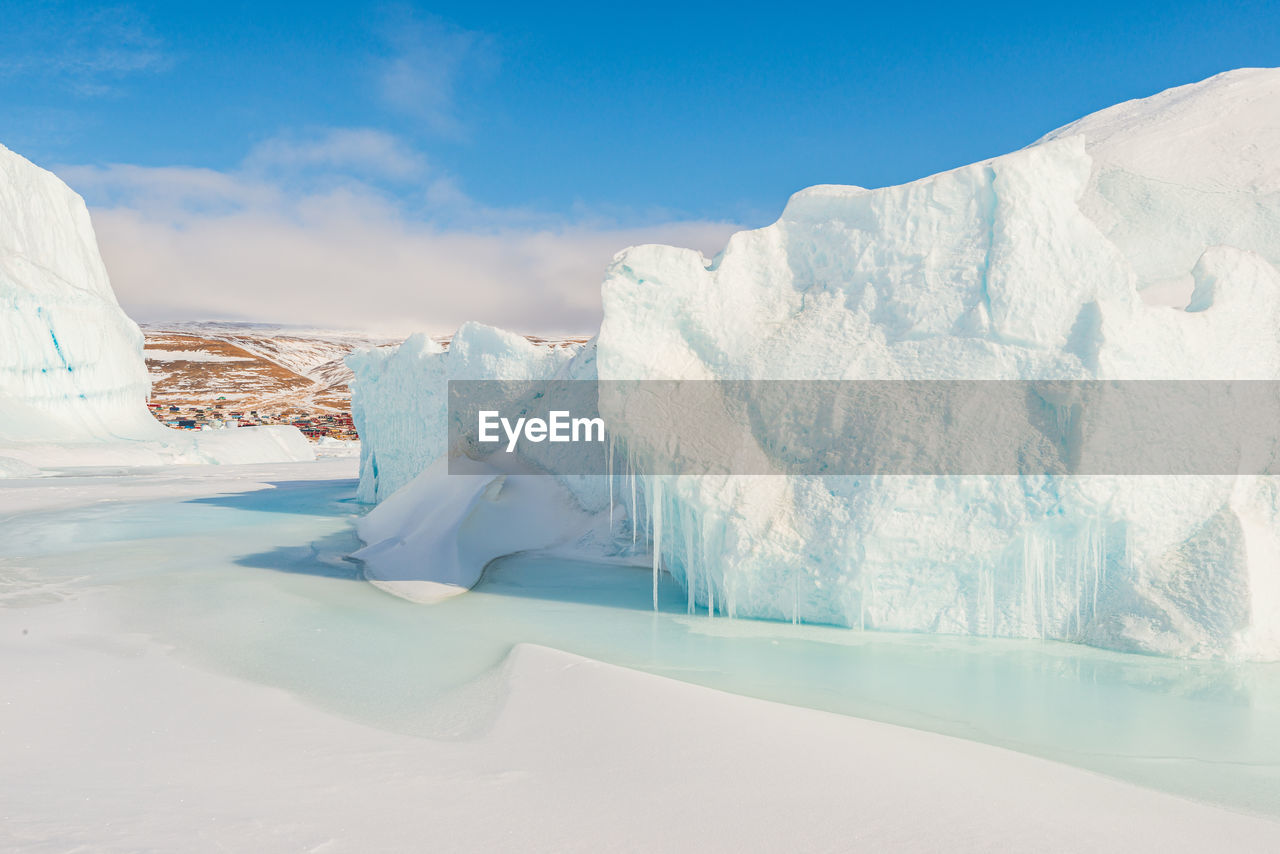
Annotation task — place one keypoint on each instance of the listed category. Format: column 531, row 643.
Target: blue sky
column 502, row 152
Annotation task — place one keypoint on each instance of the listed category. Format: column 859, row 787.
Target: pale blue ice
column 256, row 585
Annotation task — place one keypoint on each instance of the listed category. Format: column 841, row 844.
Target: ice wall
column 70, row 360
column 400, row 394
column 73, row 382
column 1039, row 264
column 1139, row 243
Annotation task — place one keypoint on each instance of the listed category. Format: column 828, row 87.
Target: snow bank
column 10, row 467
column 73, row 382
column 162, row 446
column 1139, row 243
column 177, row 757
column 328, row 446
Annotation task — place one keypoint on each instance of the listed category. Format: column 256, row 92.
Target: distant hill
column 282, row 371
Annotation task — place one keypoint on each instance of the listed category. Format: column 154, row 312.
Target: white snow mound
column 433, row 539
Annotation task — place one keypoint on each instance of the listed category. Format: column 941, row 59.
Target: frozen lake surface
column 255, row 584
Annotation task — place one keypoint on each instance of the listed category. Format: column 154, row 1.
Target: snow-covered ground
column 191, row 660
column 190, row 664
column 156, row 354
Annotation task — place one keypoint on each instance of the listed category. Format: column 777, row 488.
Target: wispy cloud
column 428, row 60
column 89, row 49
column 356, row 151
column 253, row 243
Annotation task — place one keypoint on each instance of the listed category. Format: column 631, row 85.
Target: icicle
column 795, row 597
column 711, row 588
column 862, row 599
column 1050, row 598
column 991, row 600
column 1128, row 553
column 690, row 580
column 1083, row 553
column 696, row 547
column 730, row 576
column 1039, row 590
column 1028, row 603
column 631, row 474
column 608, row 465
column 657, row 539
column 1098, row 569
column 692, row 570
column 653, row 506
column 1035, row 553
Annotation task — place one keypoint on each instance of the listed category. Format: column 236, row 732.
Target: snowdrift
column 1141, row 242
column 73, row 382
column 433, row 539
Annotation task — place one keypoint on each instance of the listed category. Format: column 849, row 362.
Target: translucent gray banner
column 872, row 427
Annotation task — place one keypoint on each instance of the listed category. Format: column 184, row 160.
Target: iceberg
column 73, row 382
column 403, row 397
column 1139, row 243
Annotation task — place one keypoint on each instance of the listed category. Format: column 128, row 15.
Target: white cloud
column 196, row 243
column 173, row 192
column 359, row 151
column 429, row 58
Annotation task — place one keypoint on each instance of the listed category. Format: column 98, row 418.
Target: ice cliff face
column 73, row 382
column 70, row 360
column 403, row 396
column 1139, row 243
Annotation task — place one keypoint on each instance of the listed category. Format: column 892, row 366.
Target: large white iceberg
column 1139, row 243
column 73, row 382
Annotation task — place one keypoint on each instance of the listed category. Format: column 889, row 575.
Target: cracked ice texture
column 1139, row 243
